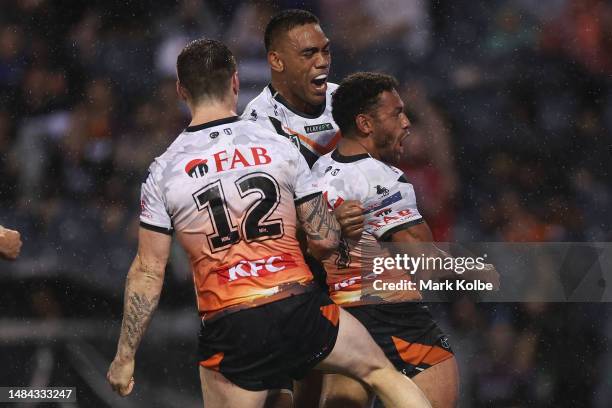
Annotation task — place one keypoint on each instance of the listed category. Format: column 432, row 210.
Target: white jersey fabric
column 389, row 205
column 314, row 135
column 227, row 188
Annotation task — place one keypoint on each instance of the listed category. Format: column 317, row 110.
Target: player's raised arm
column 322, row 228
column 142, row 290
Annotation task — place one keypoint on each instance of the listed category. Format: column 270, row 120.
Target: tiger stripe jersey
column 389, row 204
column 228, row 189
column 314, row 135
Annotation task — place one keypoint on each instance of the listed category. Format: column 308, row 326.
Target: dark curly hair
column 285, row 21
column 358, row 93
column 204, row 67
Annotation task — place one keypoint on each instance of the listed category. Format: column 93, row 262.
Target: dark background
column 511, row 104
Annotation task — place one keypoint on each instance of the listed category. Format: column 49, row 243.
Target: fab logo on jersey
column 228, row 160
column 196, row 168
column 254, row 156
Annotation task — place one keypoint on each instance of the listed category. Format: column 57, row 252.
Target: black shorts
column 407, row 334
column 268, row 346
column 318, row 271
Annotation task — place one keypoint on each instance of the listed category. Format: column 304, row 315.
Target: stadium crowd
column 511, row 105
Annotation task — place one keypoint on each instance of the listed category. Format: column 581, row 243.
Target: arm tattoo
column 139, row 310
column 139, row 305
column 318, row 222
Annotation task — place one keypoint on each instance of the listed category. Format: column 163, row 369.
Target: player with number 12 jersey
column 243, row 180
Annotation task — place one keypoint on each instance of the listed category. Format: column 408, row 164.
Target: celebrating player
column 297, row 102
column 232, row 192
column 370, row 114
column 297, row 106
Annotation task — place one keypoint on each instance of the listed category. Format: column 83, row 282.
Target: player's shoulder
column 263, row 136
column 161, row 162
column 260, row 106
column 343, row 174
column 331, row 88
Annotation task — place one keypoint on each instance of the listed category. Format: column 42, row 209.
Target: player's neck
column 207, row 112
column 292, row 100
column 351, row 146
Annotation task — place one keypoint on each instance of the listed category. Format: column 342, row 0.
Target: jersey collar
column 348, row 159
column 280, row 98
column 212, row 123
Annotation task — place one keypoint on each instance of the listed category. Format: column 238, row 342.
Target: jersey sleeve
column 153, row 213
column 306, row 184
column 396, row 210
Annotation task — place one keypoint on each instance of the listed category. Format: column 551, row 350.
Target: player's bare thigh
column 440, row 383
column 307, row 391
column 353, row 336
column 219, row 392
column 357, row 355
column 279, row 399
column 339, row 391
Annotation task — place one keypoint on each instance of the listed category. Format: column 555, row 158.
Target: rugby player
column 232, row 192
column 297, row 102
column 10, row 243
column 297, row 106
column 371, row 117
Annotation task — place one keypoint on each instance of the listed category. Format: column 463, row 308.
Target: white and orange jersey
column 314, row 135
column 228, row 189
column 389, row 205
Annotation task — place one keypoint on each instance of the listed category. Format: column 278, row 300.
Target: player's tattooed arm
column 138, row 307
column 320, row 225
column 142, row 289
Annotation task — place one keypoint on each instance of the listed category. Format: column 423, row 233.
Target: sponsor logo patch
column 384, row 203
column 255, row 268
column 318, row 128
column 196, row 168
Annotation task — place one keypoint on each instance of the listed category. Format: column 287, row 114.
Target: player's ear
column 235, row 83
column 363, row 123
column 182, row 92
column 275, row 61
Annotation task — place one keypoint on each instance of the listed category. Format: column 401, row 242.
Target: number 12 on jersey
column 256, row 225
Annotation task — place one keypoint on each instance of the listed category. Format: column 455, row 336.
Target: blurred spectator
column 192, row 19
column 429, row 163
column 583, row 32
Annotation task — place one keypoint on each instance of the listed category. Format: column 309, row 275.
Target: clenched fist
column 121, row 376
column 350, row 217
column 10, row 243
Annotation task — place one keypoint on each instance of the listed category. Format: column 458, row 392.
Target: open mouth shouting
column 319, row 83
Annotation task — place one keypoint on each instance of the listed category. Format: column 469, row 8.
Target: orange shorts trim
column 212, row 363
column 417, row 354
column 331, row 312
